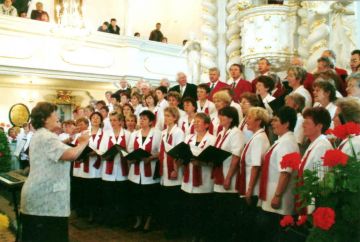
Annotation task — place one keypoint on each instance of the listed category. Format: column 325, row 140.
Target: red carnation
column 302, row 220
column 292, row 160
column 324, row 218
column 286, row 221
column 343, row 131
column 1, row 154
column 335, row 157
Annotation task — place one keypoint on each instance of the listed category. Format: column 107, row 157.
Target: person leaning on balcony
column 39, row 13
column 7, row 9
column 113, row 28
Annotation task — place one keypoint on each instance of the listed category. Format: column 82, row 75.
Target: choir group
column 241, row 198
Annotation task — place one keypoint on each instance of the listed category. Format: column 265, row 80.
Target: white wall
column 178, row 18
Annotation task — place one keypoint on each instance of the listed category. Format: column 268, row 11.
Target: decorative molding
column 233, row 34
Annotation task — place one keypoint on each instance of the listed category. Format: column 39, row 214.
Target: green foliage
column 5, row 155
column 340, row 190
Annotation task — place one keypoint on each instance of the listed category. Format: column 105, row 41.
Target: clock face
column 19, row 114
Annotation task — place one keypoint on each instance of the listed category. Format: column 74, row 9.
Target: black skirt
column 44, row 228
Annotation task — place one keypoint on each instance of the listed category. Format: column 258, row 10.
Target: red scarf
column 298, row 202
column 98, row 159
column 123, row 163
column 192, row 128
column 77, row 164
column 196, row 171
column 169, row 159
column 147, row 166
column 265, row 174
column 217, row 172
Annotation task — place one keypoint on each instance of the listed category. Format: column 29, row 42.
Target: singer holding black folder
column 197, row 182
column 91, row 169
column 144, row 185
column 45, row 196
column 225, row 216
column 115, row 170
column 171, row 174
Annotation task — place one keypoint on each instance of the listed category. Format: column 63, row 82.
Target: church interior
column 151, row 57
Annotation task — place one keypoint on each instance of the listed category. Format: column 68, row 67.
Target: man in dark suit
column 185, row 89
column 263, row 68
column 156, row 34
column 215, row 84
column 113, row 28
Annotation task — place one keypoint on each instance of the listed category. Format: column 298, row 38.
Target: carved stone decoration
column 209, row 37
column 318, row 38
column 343, row 31
column 233, row 49
column 268, row 31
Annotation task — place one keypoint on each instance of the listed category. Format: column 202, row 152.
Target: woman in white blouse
column 221, row 99
column 325, row 96
column 197, row 182
column 114, row 172
column 187, row 121
column 316, row 122
column 204, row 105
column 247, row 101
column 171, row 173
column 264, row 86
column 250, row 166
column 276, row 196
column 348, row 110
column 45, row 196
column 297, row 102
column 91, row 169
column 230, row 139
column 144, row 186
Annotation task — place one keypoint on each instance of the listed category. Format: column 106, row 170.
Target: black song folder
column 183, row 152
column 113, row 151
column 138, row 155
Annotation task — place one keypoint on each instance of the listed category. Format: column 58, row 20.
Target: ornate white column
column 318, row 38
column 209, row 37
column 222, row 39
column 233, row 34
column 303, row 32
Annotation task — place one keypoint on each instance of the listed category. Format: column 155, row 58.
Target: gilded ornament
column 19, row 114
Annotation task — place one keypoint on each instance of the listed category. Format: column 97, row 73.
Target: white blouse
column 94, row 143
column 117, row 173
column 46, row 191
column 234, row 143
column 154, row 137
column 208, row 108
column 257, row 147
column 177, row 137
column 207, row 183
column 286, row 144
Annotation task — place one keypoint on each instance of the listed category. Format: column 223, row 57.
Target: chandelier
column 70, row 22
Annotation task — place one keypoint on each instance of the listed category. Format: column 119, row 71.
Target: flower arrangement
column 336, row 195
column 4, row 221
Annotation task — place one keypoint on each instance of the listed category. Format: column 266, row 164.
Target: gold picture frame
column 19, row 114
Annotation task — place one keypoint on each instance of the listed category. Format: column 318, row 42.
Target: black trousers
column 115, row 201
column 197, row 214
column 172, row 207
column 44, row 229
column 144, row 199
column 247, row 226
column 90, row 201
column 225, row 217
